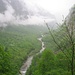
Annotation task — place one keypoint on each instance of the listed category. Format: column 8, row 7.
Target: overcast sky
column 56, row 7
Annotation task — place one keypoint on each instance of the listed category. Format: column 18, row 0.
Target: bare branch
column 56, row 42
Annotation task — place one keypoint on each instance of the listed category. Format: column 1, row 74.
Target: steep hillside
column 16, row 44
column 59, row 56
column 18, row 11
column 71, row 16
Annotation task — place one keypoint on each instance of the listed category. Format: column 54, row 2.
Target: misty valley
column 33, row 40
column 17, row 43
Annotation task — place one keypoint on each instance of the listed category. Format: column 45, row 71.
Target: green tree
column 4, row 61
column 66, row 43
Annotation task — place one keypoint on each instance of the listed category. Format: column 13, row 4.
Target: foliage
column 19, row 42
column 4, row 64
column 62, row 42
column 49, row 63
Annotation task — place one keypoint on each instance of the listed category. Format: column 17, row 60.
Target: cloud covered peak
column 17, row 11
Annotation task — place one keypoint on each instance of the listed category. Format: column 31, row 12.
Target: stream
column 27, row 64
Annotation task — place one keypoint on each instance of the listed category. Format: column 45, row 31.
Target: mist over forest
column 37, row 37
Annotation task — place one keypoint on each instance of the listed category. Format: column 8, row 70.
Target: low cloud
column 35, row 20
column 7, row 15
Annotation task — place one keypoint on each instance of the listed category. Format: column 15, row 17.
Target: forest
column 19, row 42
column 16, row 44
column 59, row 56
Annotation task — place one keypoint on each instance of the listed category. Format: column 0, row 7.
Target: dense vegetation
column 49, row 63
column 55, row 60
column 16, row 44
column 59, row 56
column 19, row 42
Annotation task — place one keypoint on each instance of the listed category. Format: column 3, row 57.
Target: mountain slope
column 17, row 43
column 22, row 12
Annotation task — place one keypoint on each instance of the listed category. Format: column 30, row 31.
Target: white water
column 26, row 65
column 29, row 60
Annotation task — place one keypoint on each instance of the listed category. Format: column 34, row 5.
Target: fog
column 56, row 8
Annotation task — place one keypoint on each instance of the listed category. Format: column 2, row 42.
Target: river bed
column 27, row 64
